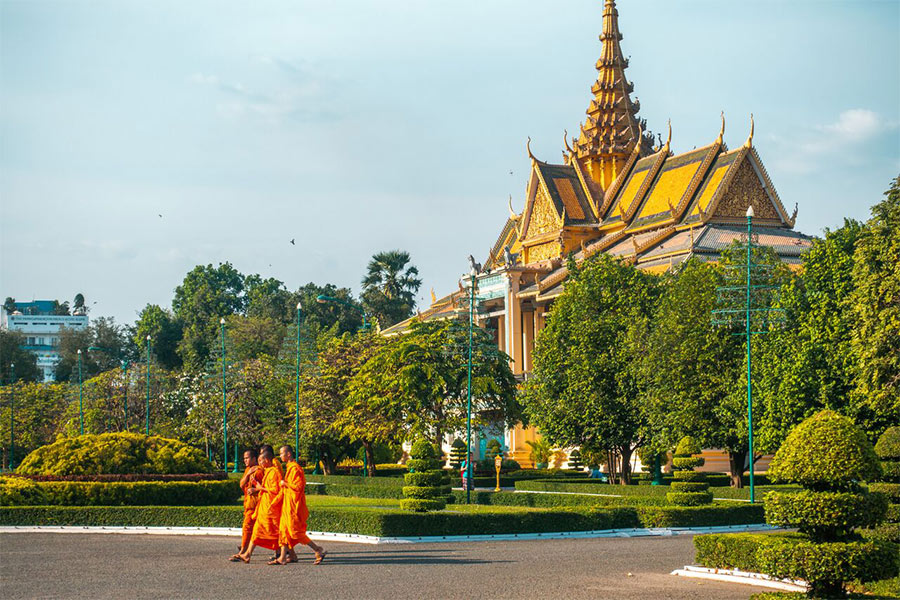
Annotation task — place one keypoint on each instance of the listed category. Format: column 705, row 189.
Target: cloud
column 306, row 96
column 856, row 125
column 824, row 143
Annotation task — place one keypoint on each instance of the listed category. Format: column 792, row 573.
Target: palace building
column 616, row 192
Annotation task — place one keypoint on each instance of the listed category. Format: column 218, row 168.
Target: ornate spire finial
column 528, row 148
column 721, row 137
column 668, row 139
column 566, row 141
column 749, row 142
column 512, row 213
column 793, row 218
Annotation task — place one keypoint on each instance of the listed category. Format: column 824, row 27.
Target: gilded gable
column 544, row 217
column 746, row 189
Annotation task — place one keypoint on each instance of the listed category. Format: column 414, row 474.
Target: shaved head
column 267, row 452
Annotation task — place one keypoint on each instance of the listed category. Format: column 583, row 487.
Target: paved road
column 58, row 565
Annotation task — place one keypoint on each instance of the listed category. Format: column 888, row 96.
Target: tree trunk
column 736, row 459
column 611, row 465
column 370, row 456
column 328, row 464
column 625, row 453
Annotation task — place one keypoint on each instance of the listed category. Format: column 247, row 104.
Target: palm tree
column 390, row 286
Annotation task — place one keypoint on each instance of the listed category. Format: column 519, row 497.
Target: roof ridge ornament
column 528, row 148
column 512, row 213
column 566, row 141
column 749, row 143
column 721, row 138
column 793, row 218
column 668, row 139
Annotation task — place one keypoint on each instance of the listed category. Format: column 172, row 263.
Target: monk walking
column 294, row 513
column 268, row 508
column 252, row 475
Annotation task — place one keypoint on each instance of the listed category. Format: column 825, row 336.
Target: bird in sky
column 292, row 242
column 160, row 216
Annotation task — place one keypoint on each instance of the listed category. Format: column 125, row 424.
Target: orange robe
column 294, row 513
column 268, row 510
column 251, row 499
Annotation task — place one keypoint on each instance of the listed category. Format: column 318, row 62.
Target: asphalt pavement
column 96, row 566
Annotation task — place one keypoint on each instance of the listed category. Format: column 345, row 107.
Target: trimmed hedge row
column 381, row 522
column 786, row 555
column 139, row 493
column 589, row 487
column 526, row 499
column 829, row 515
column 217, row 476
column 357, row 480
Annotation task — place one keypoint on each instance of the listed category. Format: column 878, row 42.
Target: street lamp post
column 12, row 412
column 80, row 395
column 148, row 387
column 472, row 275
column 749, row 381
column 297, row 397
column 224, row 405
column 322, row 299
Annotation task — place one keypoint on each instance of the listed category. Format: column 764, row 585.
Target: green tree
column 876, row 306
column 418, row 381
column 584, row 390
column 165, row 334
column 807, row 365
column 12, row 352
column 269, row 299
column 9, row 305
column 329, row 316
column 104, row 333
column 207, row 294
column 390, row 286
column 38, row 410
column 693, row 369
column 61, row 309
column 326, row 428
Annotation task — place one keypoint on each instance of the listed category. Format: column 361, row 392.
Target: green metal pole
column 297, row 398
column 234, row 469
column 748, row 334
column 224, row 407
column 148, row 386
column 469, row 394
column 12, row 412
column 80, row 394
column 125, row 375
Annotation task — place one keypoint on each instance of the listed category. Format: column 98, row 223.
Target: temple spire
column 612, row 128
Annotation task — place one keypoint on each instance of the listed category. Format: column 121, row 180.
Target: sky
column 140, row 139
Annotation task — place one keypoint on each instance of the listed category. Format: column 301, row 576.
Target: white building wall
column 42, row 336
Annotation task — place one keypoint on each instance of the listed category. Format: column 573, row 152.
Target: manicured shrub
column 140, row 493
column 827, row 452
column 824, row 515
column 575, row 460
column 688, row 490
column 457, row 454
column 427, row 485
column 114, row 453
column 16, row 491
column 828, row 455
column 888, row 445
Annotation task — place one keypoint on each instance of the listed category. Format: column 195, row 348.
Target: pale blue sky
column 356, row 127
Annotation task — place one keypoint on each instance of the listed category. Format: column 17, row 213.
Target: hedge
column 217, row 476
column 139, row 493
column 362, row 490
column 825, row 514
column 553, row 500
column 357, row 480
column 381, row 522
column 787, row 555
column 638, row 490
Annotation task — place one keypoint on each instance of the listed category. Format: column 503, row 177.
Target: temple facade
column 615, row 192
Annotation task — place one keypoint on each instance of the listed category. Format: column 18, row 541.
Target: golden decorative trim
column 749, row 143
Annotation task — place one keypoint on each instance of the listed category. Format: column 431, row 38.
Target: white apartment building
column 41, row 330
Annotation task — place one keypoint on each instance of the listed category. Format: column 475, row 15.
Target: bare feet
column 235, row 558
column 320, row 556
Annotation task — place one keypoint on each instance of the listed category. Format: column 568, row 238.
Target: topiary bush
column 689, row 489
column 427, row 485
column 825, row 452
column 115, row 453
column 829, row 456
column 457, row 454
column 887, row 448
column 575, row 460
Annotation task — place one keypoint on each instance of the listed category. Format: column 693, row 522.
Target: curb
column 738, row 576
column 370, row 539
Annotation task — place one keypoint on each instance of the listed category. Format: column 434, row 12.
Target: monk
column 294, row 513
column 268, row 509
column 252, row 475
